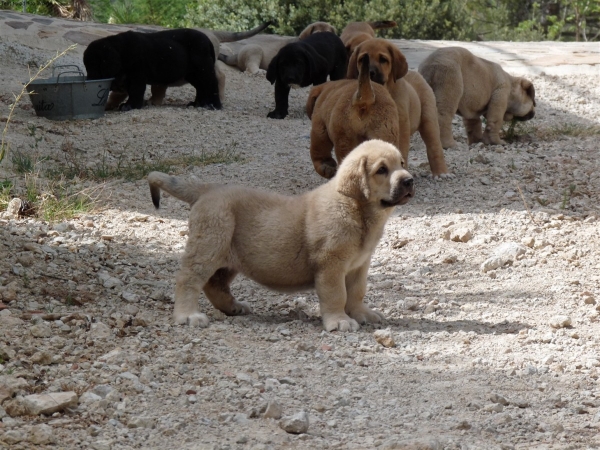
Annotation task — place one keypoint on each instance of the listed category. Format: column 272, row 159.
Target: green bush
column 417, row 19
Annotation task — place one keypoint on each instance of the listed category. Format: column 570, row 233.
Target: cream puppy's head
column 374, row 173
column 521, row 101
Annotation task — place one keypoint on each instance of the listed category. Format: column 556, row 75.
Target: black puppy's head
column 296, row 64
column 102, row 60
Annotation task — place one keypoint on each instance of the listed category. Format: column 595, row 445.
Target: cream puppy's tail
column 187, row 190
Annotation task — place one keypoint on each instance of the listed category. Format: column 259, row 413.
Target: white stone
column 13, row 207
column 560, row 321
column 105, row 444
column 296, row 424
column 130, row 297
column 141, row 422
column 99, row 330
column 503, row 254
column 41, row 435
column 385, row 338
column 89, row 397
column 49, row 403
column 102, row 390
column 41, row 330
column 273, row 411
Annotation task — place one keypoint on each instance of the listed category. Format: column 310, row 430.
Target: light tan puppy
column 472, row 87
column 414, row 99
column 345, row 113
column 323, row 239
column 159, row 92
column 253, row 55
column 316, row 27
column 356, row 33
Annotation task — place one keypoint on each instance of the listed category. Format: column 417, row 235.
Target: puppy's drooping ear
column 353, row 179
column 399, row 64
column 307, row 31
column 352, row 72
column 272, row 70
column 528, row 87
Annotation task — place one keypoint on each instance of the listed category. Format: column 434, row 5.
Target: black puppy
column 171, row 57
column 303, row 63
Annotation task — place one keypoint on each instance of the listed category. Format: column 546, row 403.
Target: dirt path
column 482, row 359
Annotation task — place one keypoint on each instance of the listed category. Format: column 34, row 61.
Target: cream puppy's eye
column 382, row 60
column 383, row 170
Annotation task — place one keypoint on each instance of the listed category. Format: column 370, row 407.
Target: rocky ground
column 489, row 282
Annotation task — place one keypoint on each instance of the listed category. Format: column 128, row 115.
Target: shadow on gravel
column 433, row 326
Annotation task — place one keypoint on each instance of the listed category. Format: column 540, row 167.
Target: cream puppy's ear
column 353, row 179
column 528, row 87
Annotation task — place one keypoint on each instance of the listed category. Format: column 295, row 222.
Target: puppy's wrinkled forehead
column 378, row 152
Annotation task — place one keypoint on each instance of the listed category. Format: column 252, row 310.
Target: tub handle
column 62, row 66
column 65, row 73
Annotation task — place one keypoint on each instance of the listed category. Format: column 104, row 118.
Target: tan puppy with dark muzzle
column 356, row 33
column 472, row 87
column 414, row 98
column 345, row 113
column 323, row 239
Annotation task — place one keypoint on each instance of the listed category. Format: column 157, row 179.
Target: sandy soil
column 483, row 357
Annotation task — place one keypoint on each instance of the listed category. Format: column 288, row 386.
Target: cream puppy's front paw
column 196, row 319
column 363, row 314
column 240, row 308
column 339, row 322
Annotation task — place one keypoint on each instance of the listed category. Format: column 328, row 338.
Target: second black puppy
column 305, row 62
column 171, row 57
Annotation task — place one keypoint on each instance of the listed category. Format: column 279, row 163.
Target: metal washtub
column 67, row 96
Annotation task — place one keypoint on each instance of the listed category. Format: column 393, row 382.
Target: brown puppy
column 472, row 87
column 253, row 55
column 323, row 239
column 345, row 114
column 414, row 99
column 357, row 32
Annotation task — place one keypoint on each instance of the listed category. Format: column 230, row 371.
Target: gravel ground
column 489, row 282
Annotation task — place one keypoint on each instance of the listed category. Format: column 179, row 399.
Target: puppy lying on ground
column 472, row 87
column 414, row 99
column 170, row 57
column 344, row 114
column 323, row 239
column 255, row 54
column 303, row 63
column 159, row 91
column 357, row 32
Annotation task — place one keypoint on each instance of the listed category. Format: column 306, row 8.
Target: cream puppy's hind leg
column 187, row 292
column 474, row 131
column 217, row 291
column 205, row 254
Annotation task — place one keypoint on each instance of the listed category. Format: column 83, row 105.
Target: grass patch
column 52, row 202
column 132, row 171
column 567, row 129
column 56, row 201
column 514, row 130
column 5, row 189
